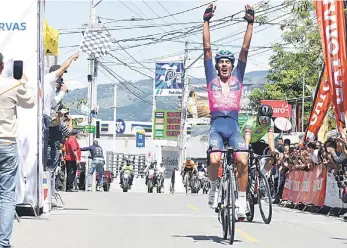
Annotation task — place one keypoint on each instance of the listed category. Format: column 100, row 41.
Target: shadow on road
column 254, row 222
column 215, row 239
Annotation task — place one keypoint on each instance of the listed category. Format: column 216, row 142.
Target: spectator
column 279, row 146
column 72, row 158
column 53, row 82
column 23, row 96
column 60, row 128
column 98, row 161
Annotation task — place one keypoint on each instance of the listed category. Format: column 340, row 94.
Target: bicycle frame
column 228, row 166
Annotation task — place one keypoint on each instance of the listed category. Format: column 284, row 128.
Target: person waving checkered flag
column 96, row 43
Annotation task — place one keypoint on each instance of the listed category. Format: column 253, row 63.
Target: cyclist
column 127, row 167
column 254, row 130
column 224, row 93
column 188, row 166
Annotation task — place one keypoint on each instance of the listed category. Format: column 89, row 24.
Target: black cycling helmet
column 265, row 110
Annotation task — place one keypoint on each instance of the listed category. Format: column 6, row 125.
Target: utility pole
column 183, row 127
column 114, row 116
column 92, row 89
column 303, row 104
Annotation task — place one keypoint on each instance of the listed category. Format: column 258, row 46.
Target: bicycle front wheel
column 229, row 212
column 264, row 199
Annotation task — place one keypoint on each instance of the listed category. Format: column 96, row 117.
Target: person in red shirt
column 72, row 158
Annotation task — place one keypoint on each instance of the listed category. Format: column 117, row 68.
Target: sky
column 70, row 16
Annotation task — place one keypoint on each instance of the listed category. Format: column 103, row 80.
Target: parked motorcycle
column 151, row 180
column 160, row 182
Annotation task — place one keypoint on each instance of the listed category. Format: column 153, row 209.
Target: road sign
column 120, row 126
column 89, row 128
column 166, row 124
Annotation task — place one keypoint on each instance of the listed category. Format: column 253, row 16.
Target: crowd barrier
column 316, row 187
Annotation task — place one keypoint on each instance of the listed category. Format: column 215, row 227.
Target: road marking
column 69, row 214
column 172, row 195
column 247, row 236
column 192, row 207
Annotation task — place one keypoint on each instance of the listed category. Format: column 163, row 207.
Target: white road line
column 131, row 215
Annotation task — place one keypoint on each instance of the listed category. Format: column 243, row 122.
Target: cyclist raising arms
column 224, row 93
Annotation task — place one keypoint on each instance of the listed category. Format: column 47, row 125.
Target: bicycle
column 227, row 192
column 258, row 187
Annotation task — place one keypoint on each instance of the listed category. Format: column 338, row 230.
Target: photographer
column 60, row 128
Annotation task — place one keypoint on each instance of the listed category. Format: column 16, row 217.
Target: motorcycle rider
column 151, row 166
column 127, row 167
column 98, row 161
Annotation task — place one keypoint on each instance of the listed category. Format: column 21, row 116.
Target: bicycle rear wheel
column 264, row 193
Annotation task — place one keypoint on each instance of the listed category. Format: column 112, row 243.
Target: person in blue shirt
column 98, row 161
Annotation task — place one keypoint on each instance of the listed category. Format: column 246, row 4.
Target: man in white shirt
column 23, row 96
column 50, row 81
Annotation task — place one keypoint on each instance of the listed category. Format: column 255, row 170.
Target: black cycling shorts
column 259, row 147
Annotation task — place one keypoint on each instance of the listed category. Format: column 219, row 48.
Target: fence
column 315, row 189
column 115, row 162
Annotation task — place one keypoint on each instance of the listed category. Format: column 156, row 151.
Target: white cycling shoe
column 213, row 199
column 240, row 210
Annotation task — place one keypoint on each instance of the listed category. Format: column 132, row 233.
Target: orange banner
column 306, row 187
column 331, row 23
column 320, row 107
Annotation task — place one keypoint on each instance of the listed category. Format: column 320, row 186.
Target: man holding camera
column 24, row 96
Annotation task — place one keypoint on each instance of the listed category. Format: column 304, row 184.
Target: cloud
column 74, row 84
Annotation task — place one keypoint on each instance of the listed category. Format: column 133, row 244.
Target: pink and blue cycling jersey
column 221, row 105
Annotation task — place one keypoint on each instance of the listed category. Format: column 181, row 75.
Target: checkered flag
column 96, row 43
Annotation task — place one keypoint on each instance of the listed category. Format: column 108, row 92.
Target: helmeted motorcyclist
column 127, row 167
column 152, row 165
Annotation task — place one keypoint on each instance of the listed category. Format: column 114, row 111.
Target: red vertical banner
column 332, row 28
column 320, row 107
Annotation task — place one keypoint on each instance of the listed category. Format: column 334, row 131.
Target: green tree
column 302, row 61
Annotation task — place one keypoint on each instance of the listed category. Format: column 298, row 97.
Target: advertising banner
column 306, row 187
column 168, row 79
column 166, row 124
column 19, row 41
column 320, row 108
column 332, row 28
column 170, row 158
column 280, row 108
column 140, row 138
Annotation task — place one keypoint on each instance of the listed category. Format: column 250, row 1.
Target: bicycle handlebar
column 228, row 149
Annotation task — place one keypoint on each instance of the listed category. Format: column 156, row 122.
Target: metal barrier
column 115, row 162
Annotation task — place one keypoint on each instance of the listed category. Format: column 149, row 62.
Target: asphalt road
column 141, row 220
